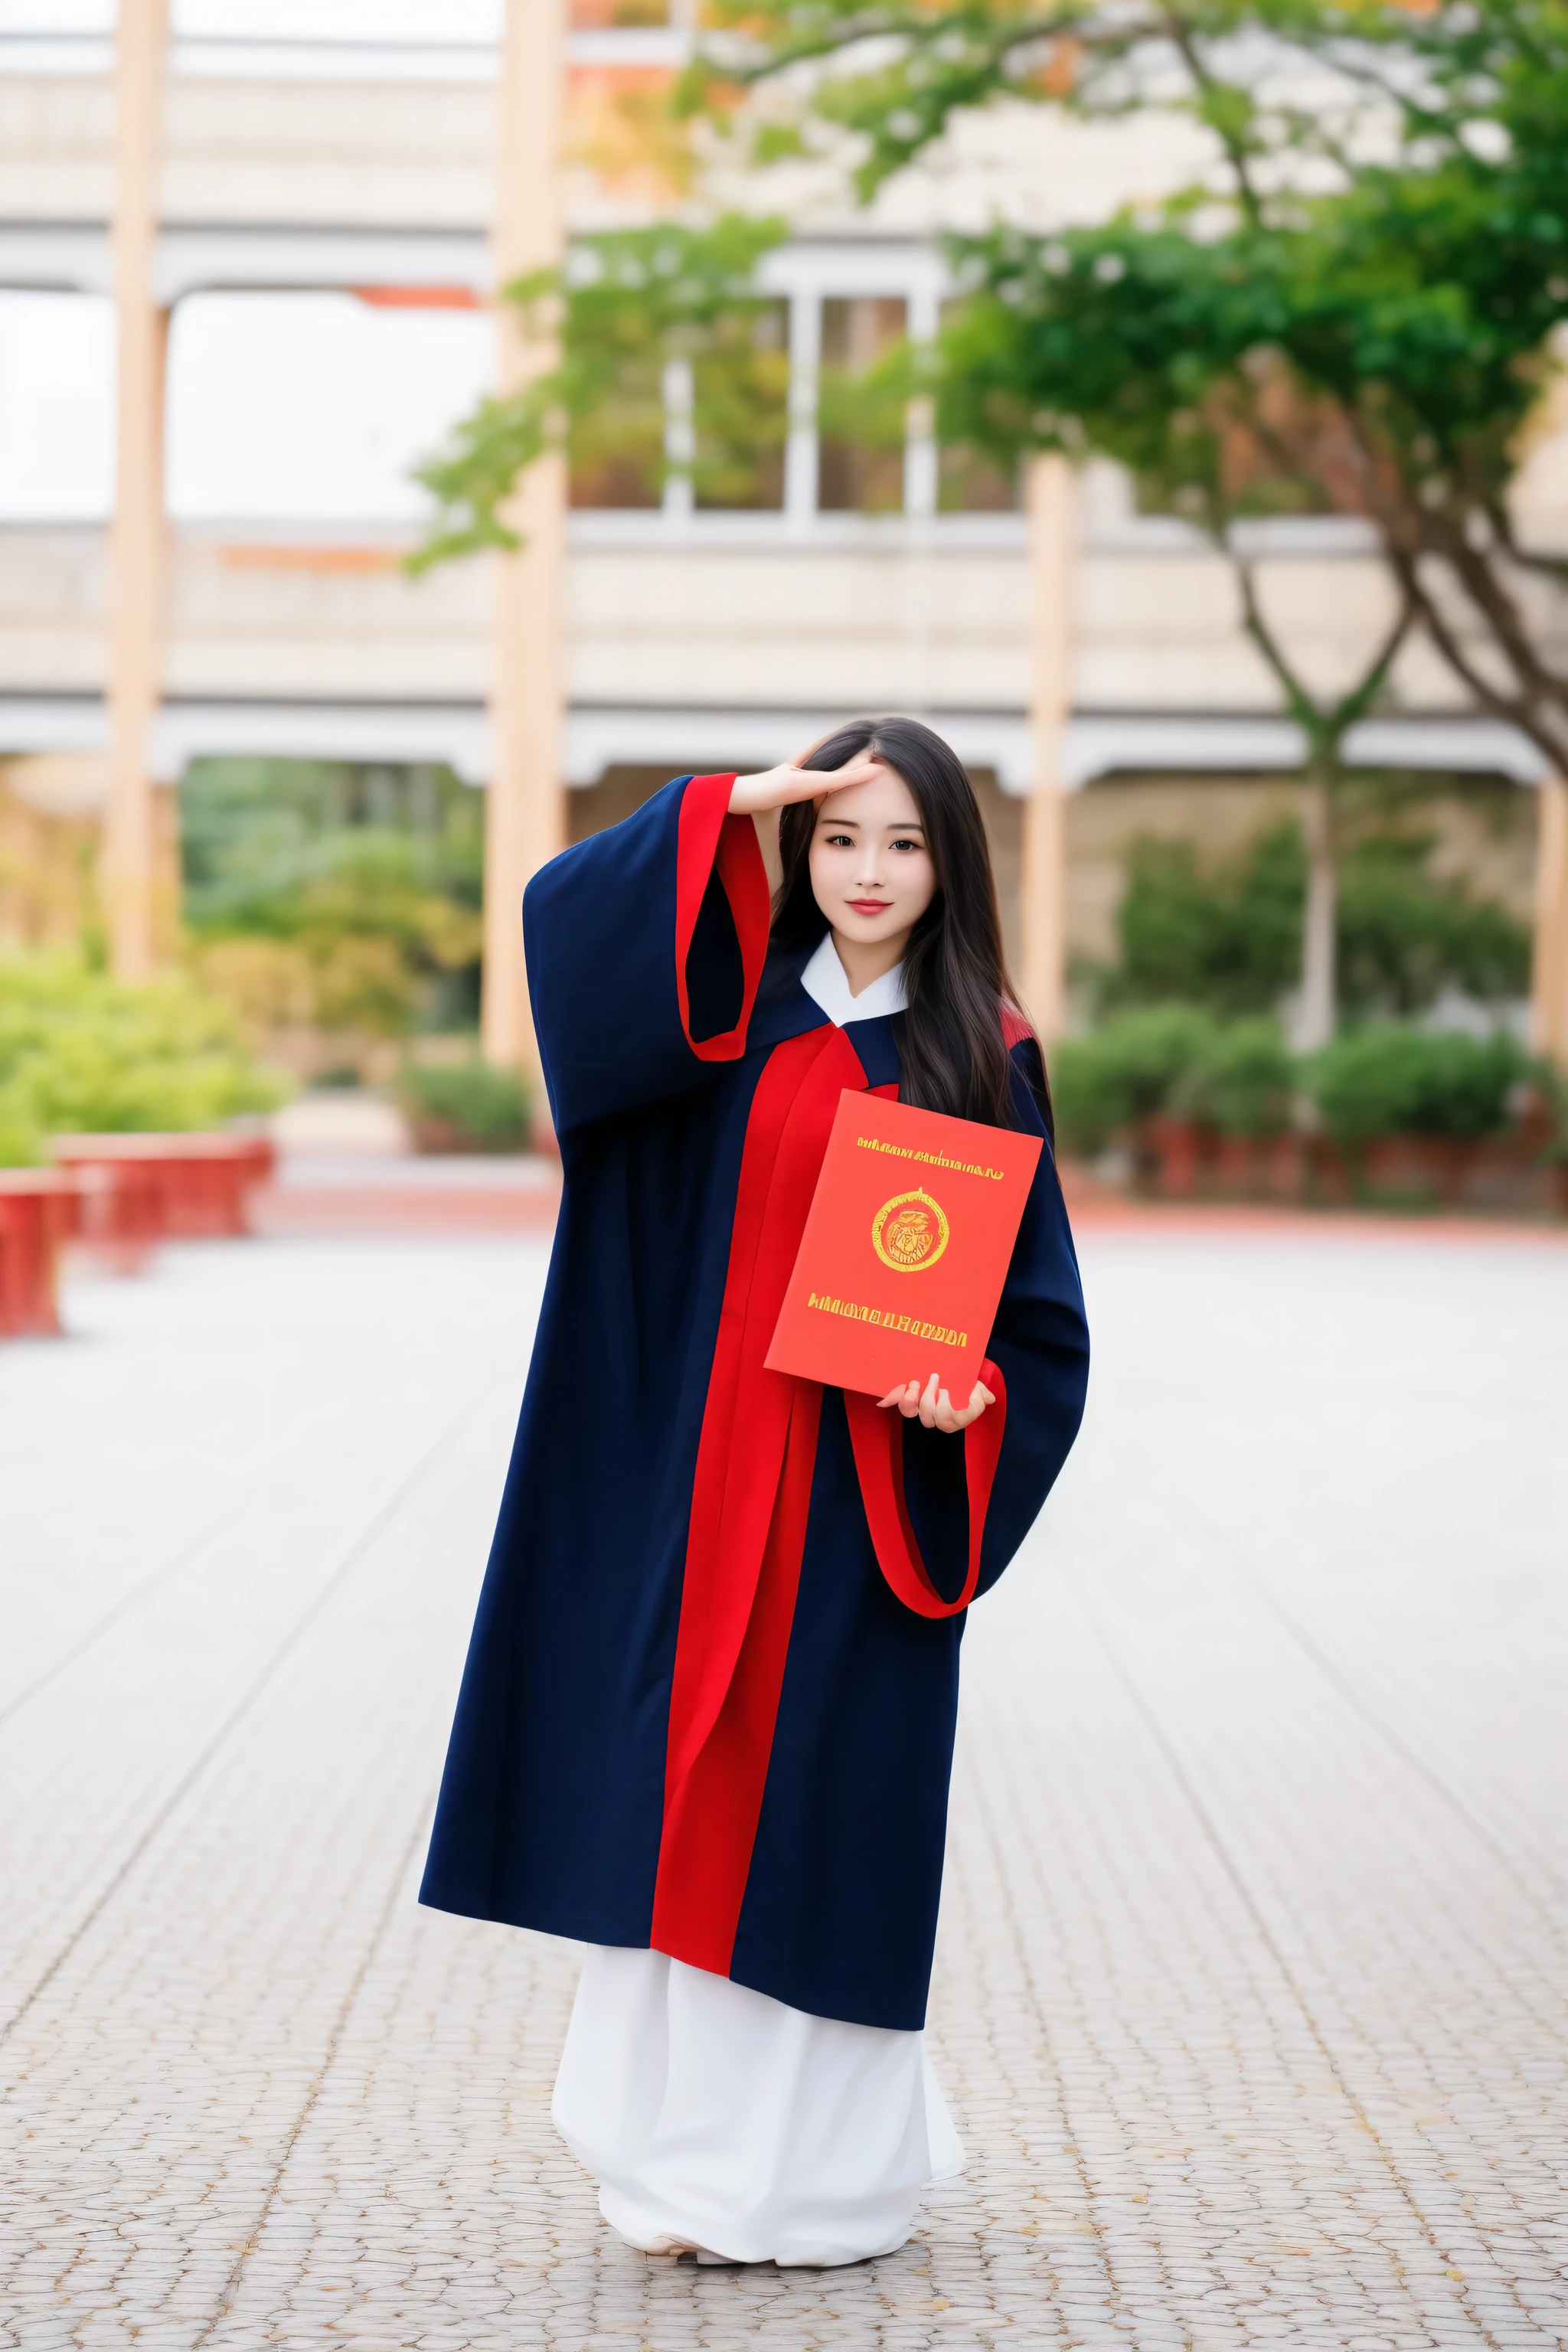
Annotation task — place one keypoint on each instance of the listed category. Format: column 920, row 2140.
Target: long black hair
column 953, row 1054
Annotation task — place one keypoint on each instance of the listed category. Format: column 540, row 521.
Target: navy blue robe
column 674, row 1037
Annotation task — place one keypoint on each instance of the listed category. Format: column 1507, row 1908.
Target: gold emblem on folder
column 909, row 1232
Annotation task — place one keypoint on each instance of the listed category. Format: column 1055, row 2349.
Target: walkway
column 1250, row 1979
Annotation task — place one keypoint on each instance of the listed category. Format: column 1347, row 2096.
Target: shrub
column 80, row 1051
column 1404, row 937
column 1396, row 1081
column 1229, row 938
column 1125, row 1071
column 466, row 1107
column 340, row 898
column 1241, row 1080
column 21, row 1144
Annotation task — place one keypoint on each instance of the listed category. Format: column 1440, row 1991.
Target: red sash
column 878, row 1438
column 749, row 1504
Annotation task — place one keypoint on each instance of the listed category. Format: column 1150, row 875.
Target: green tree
column 1350, row 312
column 1365, row 288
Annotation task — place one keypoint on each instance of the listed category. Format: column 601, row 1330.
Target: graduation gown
column 695, row 1713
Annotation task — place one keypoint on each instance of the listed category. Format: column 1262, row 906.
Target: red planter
column 1235, row 1166
column 118, row 1212
column 169, row 1187
column 38, row 1212
column 1176, row 1145
column 1286, row 1166
column 1416, row 1165
column 1330, row 1173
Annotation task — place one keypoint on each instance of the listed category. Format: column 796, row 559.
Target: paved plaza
column 1250, row 1982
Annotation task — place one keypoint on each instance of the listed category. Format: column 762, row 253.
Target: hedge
column 466, row 1107
column 1393, row 1081
column 80, row 1052
column 1240, row 1078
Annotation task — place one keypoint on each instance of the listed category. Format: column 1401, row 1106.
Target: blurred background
column 1282, row 861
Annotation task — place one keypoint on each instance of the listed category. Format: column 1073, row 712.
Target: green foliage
column 347, row 899
column 1404, row 937
column 1399, row 1081
column 1552, row 1084
column 1351, row 311
column 739, row 382
column 1241, row 1080
column 634, row 300
column 1236, row 1075
column 1229, row 936
column 80, row 1052
column 867, row 376
column 21, row 1141
column 1125, row 1071
column 466, row 1107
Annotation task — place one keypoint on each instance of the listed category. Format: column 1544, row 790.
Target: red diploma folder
column 905, row 1249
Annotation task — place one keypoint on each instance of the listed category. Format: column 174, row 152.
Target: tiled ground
column 1250, row 1987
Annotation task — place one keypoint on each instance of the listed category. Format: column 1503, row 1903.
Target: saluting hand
column 935, row 1407
column 776, row 788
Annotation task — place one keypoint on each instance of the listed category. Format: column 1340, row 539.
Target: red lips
column 869, row 906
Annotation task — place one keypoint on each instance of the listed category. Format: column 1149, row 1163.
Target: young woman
column 697, row 1729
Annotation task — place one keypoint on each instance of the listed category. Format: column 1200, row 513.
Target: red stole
column 749, row 1505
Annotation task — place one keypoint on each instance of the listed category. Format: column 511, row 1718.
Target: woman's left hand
column 935, row 1407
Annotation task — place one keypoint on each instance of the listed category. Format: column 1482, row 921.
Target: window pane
column 314, row 404
column 616, row 454
column 56, row 407
column 861, row 455
column 969, row 482
column 740, row 410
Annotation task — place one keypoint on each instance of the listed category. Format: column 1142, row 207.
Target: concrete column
column 134, row 919
column 1043, row 881
column 1549, row 974
column 525, row 813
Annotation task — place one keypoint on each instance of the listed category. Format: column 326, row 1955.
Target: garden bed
column 1186, row 1107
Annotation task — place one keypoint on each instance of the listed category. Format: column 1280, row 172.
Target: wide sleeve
column 644, row 946
column 954, row 1511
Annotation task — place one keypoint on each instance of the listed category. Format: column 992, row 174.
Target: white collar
column 826, row 984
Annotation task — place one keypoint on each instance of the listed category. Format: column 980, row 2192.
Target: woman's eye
column 909, row 845
column 841, row 841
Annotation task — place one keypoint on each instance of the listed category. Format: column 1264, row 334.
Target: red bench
column 38, row 1212
column 164, row 1186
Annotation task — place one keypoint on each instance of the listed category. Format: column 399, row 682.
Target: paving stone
column 1248, row 1990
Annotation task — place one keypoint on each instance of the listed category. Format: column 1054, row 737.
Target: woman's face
column 872, row 873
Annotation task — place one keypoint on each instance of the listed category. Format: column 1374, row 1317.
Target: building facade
column 1058, row 636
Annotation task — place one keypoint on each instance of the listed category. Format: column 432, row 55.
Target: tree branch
column 1186, row 48
column 1301, row 705
column 1353, row 707
column 1553, row 567
column 1520, row 710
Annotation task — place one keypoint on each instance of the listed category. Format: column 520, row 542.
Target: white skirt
column 720, row 2122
